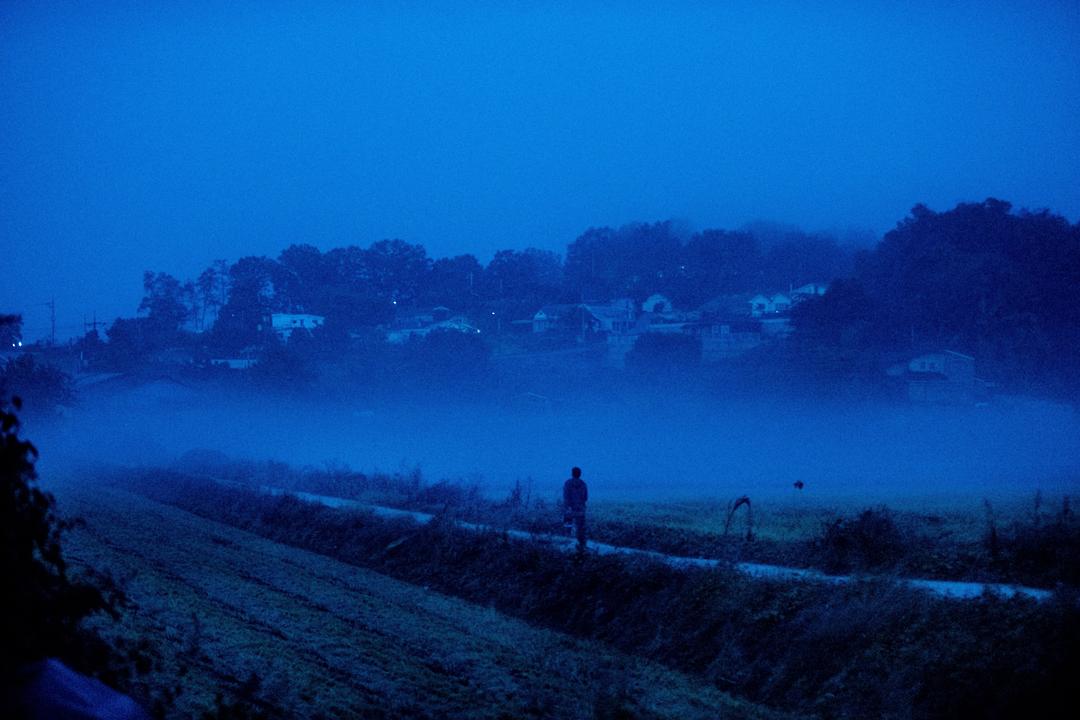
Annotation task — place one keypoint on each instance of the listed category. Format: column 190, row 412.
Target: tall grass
column 862, row 650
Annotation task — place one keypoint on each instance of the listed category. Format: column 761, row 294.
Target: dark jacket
column 575, row 494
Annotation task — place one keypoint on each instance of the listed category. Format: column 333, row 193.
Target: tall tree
column 978, row 278
column 518, row 282
column 303, row 275
column 212, row 290
column 455, row 282
column 168, row 304
column 635, row 261
column 251, row 298
column 717, row 262
column 397, row 270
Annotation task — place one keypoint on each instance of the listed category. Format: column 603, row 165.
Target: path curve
column 945, row 588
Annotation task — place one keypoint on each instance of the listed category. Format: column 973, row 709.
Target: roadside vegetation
column 1037, row 544
column 860, row 650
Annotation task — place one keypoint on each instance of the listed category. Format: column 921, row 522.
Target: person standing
column 575, row 495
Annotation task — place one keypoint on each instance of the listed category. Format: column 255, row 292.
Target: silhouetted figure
column 575, row 495
column 799, row 485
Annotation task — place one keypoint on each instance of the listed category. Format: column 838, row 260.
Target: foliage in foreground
column 45, row 607
column 868, row 649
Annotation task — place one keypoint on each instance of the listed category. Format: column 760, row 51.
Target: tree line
column 981, row 278
column 355, row 287
column 1000, row 285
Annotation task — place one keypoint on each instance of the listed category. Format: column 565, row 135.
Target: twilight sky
column 161, row 136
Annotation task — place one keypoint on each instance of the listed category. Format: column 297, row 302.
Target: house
column 808, row 291
column 243, row 360
column 454, row 324
column 939, row 377
column 551, row 317
column 657, row 303
column 283, row 324
column 233, row 363
column 730, row 338
column 421, row 317
column 616, row 316
column 761, row 305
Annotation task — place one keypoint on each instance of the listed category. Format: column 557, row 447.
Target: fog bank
column 643, row 446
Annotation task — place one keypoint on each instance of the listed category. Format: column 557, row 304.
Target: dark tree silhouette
column 43, row 605
column 10, row 331
column 455, row 282
column 251, row 299
column 44, row 386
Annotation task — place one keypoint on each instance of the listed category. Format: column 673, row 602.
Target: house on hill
column 808, row 291
column 454, row 324
column 421, row 317
column 943, row 377
column 728, row 338
column 762, row 305
column 611, row 317
column 283, row 324
column 657, row 303
column 552, row 317
column 615, row 316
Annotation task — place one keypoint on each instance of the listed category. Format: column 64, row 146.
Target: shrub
column 43, row 605
column 870, row 541
column 43, row 386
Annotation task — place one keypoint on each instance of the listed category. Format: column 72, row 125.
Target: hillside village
column 786, row 310
column 724, row 328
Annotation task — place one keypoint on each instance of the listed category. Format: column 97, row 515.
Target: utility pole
column 88, row 326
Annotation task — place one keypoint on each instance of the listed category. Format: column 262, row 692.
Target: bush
column 1043, row 550
column 871, row 541
column 43, row 387
column 43, row 605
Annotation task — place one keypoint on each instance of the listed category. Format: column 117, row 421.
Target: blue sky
column 161, row 136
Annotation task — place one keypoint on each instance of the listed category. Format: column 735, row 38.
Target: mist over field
column 644, row 444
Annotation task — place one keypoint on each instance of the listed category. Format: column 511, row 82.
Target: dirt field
column 325, row 639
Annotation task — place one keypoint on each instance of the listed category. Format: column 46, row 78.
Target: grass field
column 289, row 631
column 948, row 536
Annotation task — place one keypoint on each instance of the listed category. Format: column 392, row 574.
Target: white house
column 455, row 324
column 765, row 305
column 233, row 363
column 550, row 317
column 939, row 377
column 283, row 324
column 616, row 316
column 657, row 303
column 810, row 290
